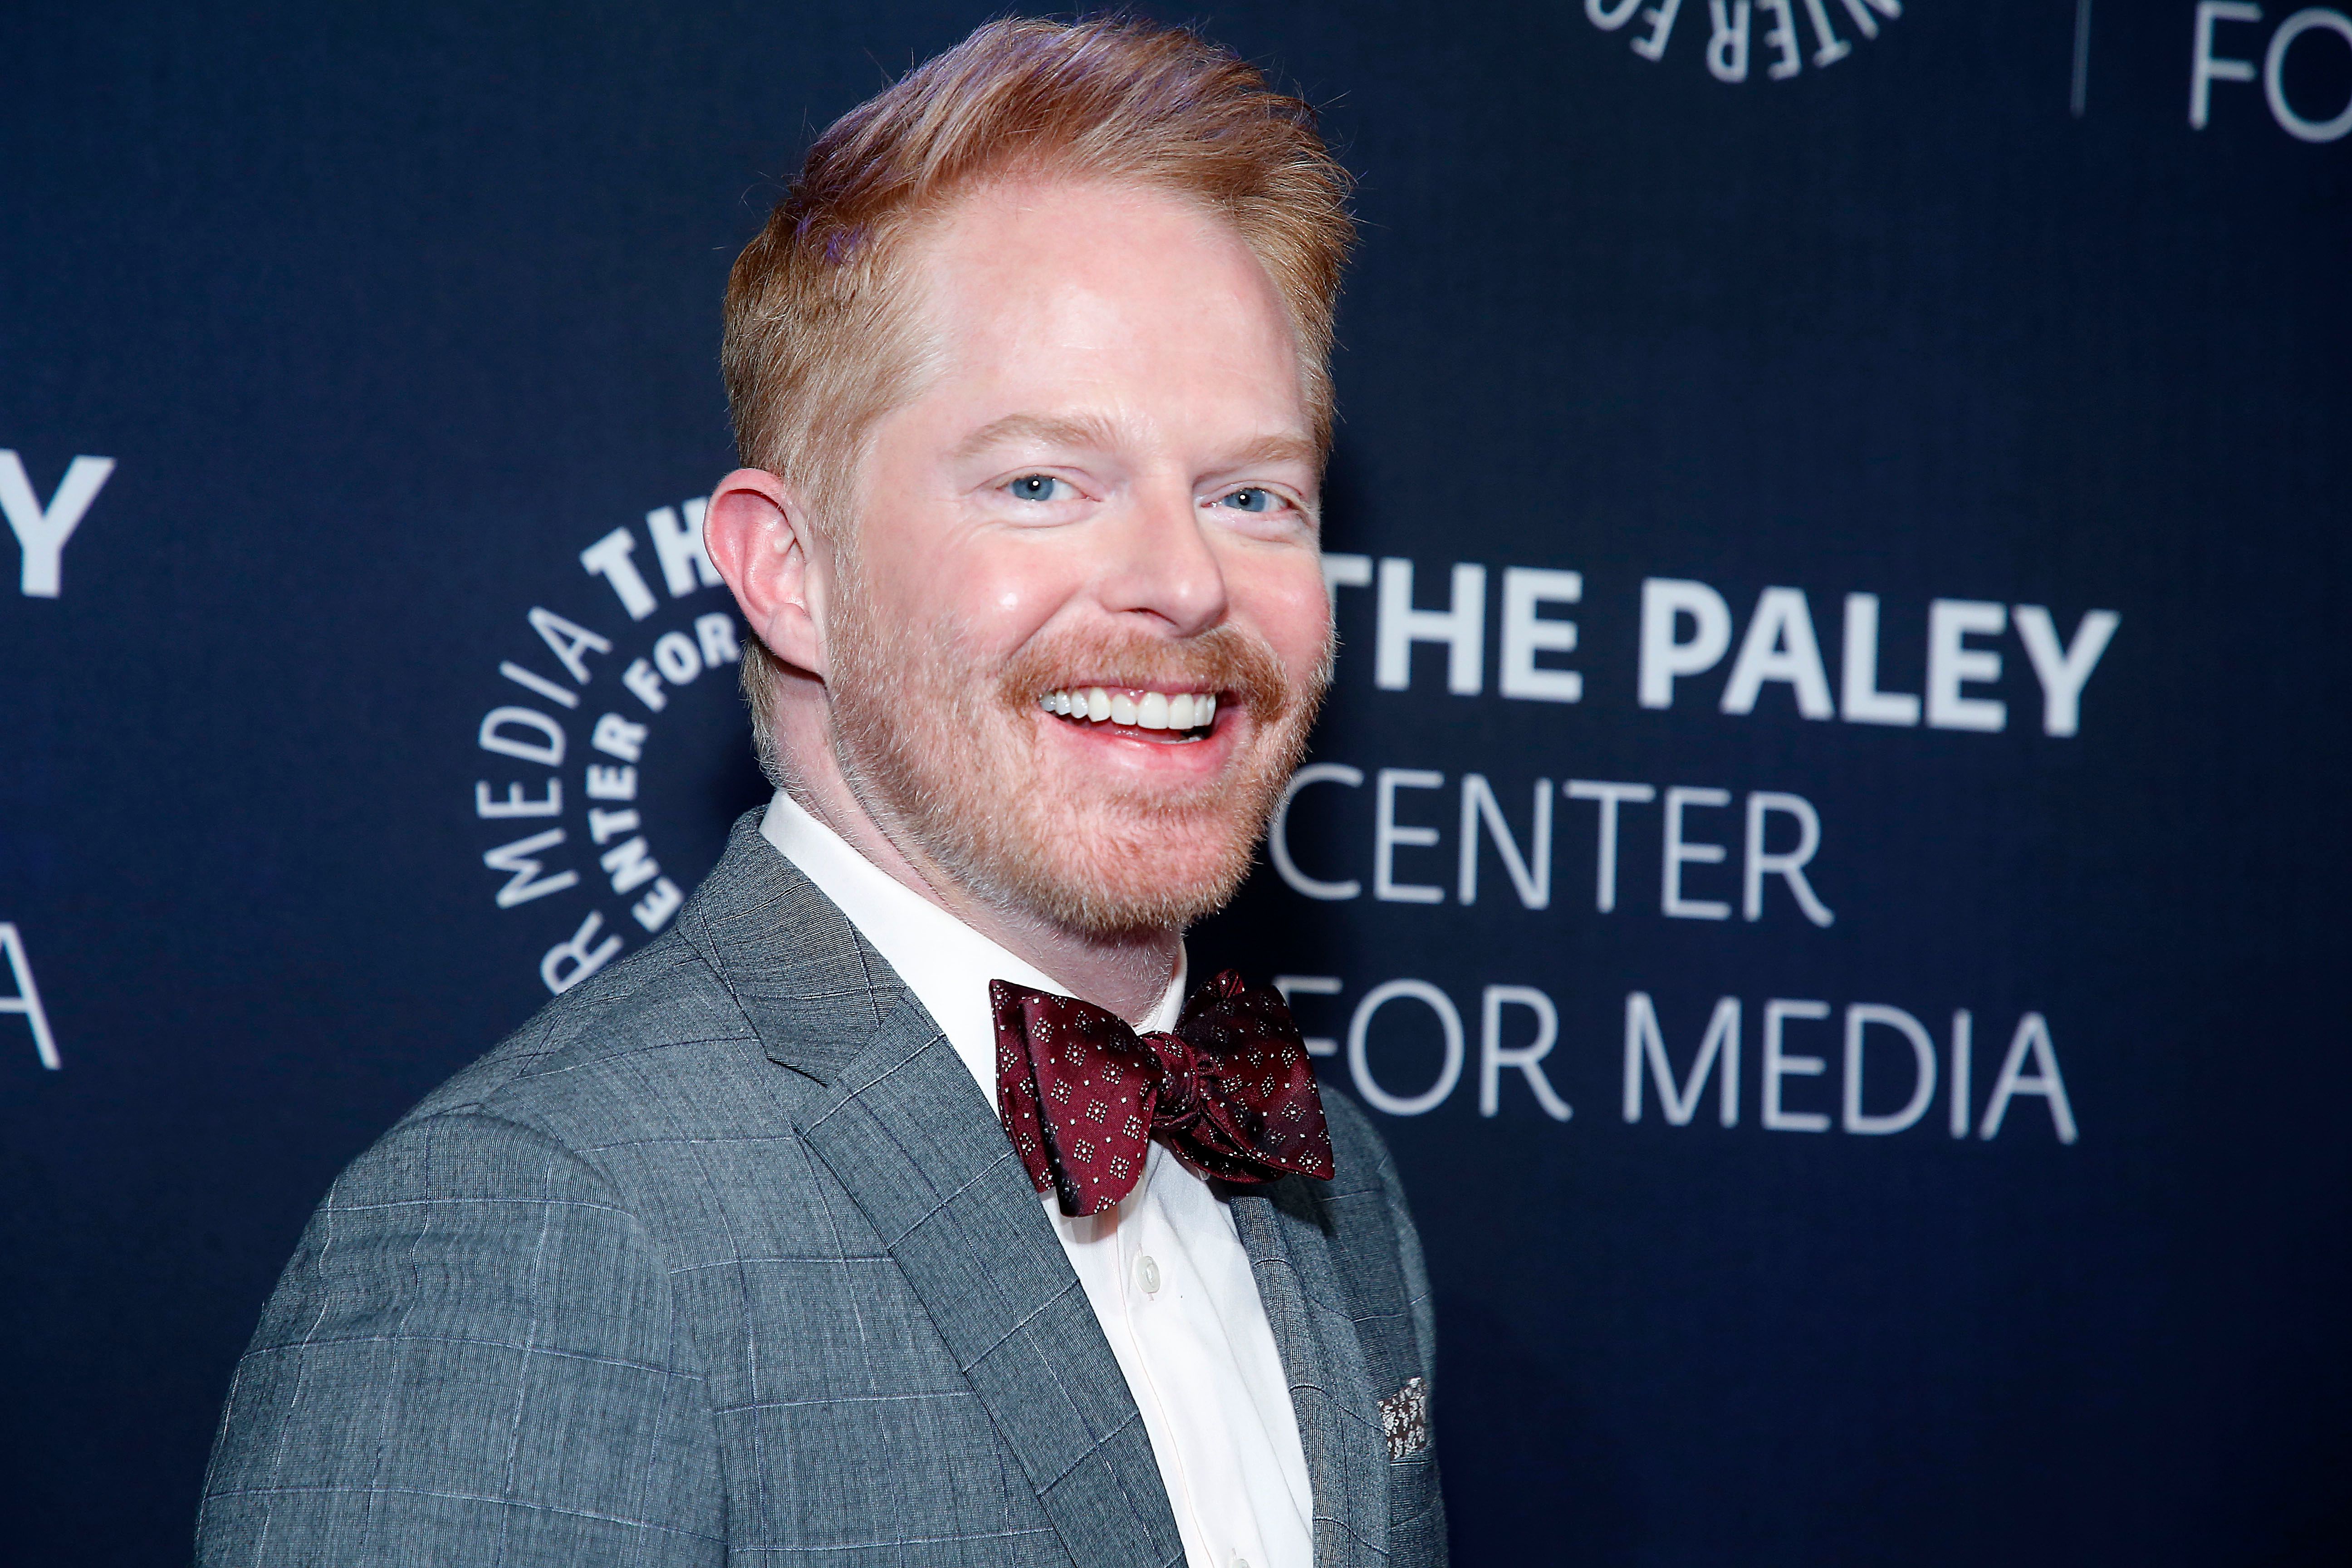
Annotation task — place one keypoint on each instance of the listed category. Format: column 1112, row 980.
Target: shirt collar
column 945, row 963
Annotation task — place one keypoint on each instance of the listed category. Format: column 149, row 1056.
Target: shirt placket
column 1141, row 1309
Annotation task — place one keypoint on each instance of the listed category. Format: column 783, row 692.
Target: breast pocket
column 1416, row 1522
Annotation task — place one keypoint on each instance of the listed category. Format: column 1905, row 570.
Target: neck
column 1126, row 974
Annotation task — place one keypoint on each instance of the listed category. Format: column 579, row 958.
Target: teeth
column 1152, row 710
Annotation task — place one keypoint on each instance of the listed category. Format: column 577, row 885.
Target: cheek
column 919, row 571
column 1289, row 607
column 999, row 595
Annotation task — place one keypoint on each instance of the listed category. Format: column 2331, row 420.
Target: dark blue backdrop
column 384, row 317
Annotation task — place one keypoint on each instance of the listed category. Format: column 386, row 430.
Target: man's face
column 1105, row 498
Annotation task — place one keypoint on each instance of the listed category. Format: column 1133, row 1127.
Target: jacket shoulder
column 607, row 1049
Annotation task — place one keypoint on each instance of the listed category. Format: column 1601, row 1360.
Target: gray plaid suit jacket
column 724, row 1257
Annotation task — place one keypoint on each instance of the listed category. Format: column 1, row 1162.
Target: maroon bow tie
column 1082, row 1095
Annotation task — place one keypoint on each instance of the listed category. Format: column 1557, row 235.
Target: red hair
column 815, row 346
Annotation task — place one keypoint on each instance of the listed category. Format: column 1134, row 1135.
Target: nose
column 1160, row 564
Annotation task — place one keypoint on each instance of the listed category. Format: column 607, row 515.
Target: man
column 737, row 1248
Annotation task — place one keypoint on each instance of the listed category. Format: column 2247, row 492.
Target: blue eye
column 1251, row 498
column 1037, row 487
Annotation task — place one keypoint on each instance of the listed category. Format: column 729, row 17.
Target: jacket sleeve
column 470, row 1358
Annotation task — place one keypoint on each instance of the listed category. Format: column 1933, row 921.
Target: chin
column 1118, row 875
column 1161, row 895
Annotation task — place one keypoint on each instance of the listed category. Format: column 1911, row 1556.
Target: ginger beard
column 941, row 749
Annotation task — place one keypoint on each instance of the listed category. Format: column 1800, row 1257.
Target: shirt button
column 1241, row 1563
column 1146, row 1275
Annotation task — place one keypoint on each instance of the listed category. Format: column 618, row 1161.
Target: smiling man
column 909, row 1202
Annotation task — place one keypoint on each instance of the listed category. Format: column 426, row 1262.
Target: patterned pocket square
column 1404, row 1417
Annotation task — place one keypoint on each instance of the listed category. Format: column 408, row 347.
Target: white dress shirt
column 1165, row 1269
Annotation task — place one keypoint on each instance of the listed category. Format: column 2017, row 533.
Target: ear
column 760, row 540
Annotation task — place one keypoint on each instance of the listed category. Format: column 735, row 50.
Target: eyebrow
column 1089, row 431
column 1043, row 429
column 1276, row 449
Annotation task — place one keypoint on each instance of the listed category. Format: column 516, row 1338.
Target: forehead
column 1064, row 288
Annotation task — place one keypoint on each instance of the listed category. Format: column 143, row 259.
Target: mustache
column 1236, row 666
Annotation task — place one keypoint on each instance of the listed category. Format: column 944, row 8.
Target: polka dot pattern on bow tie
column 1082, row 1095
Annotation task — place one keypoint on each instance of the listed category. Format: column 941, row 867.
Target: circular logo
column 616, row 748
column 1768, row 32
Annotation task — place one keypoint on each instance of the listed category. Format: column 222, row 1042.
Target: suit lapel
column 901, row 1125
column 813, row 989
column 1285, row 1231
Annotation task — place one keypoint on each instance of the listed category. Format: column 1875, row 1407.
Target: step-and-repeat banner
column 1825, row 853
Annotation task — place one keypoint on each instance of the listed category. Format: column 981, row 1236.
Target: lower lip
column 1189, row 749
